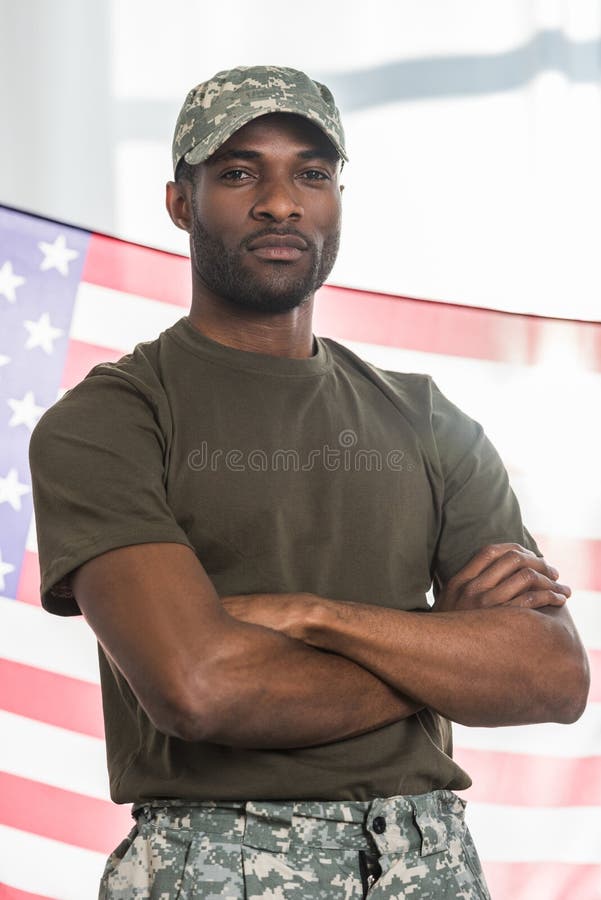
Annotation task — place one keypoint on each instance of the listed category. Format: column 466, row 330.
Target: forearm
column 271, row 691
column 502, row 666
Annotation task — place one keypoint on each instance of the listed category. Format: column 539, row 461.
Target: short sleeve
column 478, row 503
column 97, row 461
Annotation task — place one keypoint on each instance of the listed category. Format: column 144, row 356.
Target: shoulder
column 415, row 393
column 445, row 430
column 111, row 399
column 407, row 385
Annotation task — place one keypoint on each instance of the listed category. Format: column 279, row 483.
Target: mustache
column 280, row 232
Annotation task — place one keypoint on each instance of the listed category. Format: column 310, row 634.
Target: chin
column 276, row 294
column 266, row 303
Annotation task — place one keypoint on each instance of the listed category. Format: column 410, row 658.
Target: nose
column 277, row 201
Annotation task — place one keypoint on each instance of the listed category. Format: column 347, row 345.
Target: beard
column 278, row 288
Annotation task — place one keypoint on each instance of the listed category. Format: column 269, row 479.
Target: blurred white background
column 474, row 129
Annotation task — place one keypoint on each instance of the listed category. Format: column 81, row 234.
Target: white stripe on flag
column 72, row 761
column 44, row 866
column 581, row 739
column 523, row 834
column 118, row 320
column 32, row 538
column 60, row 644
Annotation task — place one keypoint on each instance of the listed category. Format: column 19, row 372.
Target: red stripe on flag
column 540, row 881
column 48, row 697
column 374, row 318
column 524, row 780
column 82, row 357
column 138, row 270
column 11, row 893
column 28, row 589
column 450, row 329
column 61, row 815
column 578, row 559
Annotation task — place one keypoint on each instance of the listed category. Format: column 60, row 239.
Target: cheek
column 222, row 214
column 328, row 215
column 328, row 224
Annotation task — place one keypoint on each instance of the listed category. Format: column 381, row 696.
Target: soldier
column 277, row 691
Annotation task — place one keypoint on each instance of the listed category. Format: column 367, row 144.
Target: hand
column 287, row 613
column 503, row 575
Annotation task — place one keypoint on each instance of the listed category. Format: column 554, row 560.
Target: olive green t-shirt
column 324, row 474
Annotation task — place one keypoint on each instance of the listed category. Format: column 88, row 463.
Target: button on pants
column 415, row 847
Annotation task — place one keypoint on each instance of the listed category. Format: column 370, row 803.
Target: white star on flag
column 5, row 569
column 25, row 411
column 57, row 255
column 4, row 360
column 11, row 490
column 9, row 281
column 41, row 333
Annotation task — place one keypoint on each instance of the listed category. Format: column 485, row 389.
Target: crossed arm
column 313, row 670
column 500, row 648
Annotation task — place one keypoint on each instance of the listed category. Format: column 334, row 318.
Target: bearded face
column 265, row 225
column 277, row 286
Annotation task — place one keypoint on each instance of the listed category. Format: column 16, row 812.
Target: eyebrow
column 312, row 153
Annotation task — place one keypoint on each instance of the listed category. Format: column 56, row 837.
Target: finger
column 521, row 582
column 538, row 599
column 483, row 559
column 501, row 569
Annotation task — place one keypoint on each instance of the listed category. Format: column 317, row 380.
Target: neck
column 273, row 334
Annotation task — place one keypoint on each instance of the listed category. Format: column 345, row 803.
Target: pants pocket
column 114, row 860
column 149, row 864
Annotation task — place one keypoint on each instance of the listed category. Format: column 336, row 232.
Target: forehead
column 279, row 131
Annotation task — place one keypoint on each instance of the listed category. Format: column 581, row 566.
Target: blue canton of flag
column 40, row 268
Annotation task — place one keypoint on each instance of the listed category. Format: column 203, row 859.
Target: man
column 250, row 518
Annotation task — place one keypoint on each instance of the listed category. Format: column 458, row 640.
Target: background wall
column 474, row 129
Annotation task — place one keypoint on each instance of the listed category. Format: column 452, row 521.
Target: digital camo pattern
column 214, row 110
column 399, row 848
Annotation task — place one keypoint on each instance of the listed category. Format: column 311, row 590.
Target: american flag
column 70, row 299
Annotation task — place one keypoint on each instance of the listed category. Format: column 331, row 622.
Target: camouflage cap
column 214, row 110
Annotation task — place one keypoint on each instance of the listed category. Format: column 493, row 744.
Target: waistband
column 421, row 822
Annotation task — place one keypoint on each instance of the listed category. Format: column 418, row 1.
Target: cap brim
column 202, row 151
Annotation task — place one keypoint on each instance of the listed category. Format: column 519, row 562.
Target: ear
column 178, row 200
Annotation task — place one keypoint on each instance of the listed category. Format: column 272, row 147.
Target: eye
column 315, row 175
column 235, row 175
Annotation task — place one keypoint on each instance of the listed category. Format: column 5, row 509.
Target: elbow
column 183, row 714
column 185, row 724
column 562, row 697
column 575, row 689
column 200, row 701
column 567, row 693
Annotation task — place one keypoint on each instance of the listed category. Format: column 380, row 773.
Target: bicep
column 156, row 613
column 99, row 481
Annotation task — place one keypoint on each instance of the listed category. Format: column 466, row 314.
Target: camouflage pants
column 398, row 847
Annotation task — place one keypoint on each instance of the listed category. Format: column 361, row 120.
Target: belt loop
column 431, row 828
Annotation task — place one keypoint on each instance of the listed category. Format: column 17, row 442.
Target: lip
column 279, row 253
column 278, row 242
